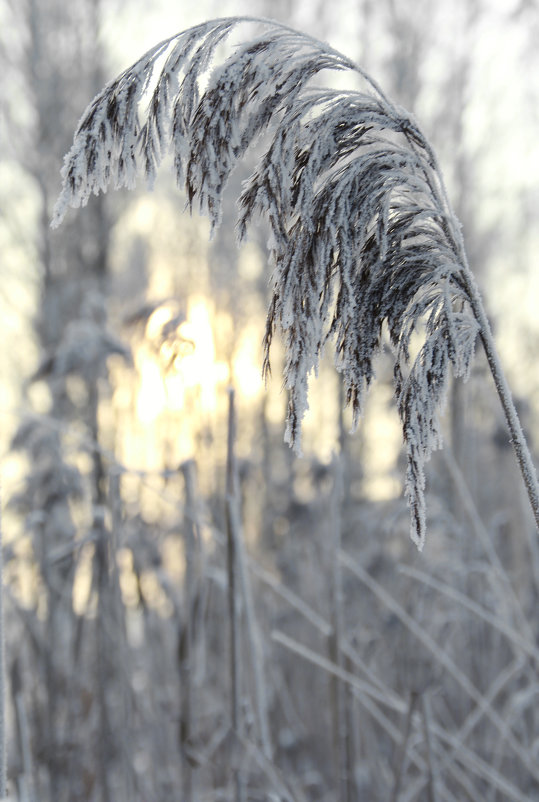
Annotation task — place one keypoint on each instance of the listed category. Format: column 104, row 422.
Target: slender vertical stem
column 340, row 731
column 518, row 440
column 399, row 770
column 24, row 742
column 104, row 652
column 118, row 624
column 427, row 726
column 233, row 595
column 255, row 644
column 103, row 586
column 188, row 633
column 26, row 780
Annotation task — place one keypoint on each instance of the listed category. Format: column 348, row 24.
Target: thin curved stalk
column 518, row 440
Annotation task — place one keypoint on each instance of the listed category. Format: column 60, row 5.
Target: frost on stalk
column 362, row 233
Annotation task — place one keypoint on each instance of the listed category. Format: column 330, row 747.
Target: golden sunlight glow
column 82, row 582
column 246, row 363
column 200, row 368
column 192, row 374
column 151, row 398
column 180, row 393
column 144, row 214
column 159, row 318
column 382, row 438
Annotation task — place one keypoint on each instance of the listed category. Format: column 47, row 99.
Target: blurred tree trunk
column 60, row 63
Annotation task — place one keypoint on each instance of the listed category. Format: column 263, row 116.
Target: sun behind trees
column 362, row 233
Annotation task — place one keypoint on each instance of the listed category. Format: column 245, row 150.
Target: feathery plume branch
column 362, row 232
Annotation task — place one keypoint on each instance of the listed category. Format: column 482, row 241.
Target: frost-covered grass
column 360, row 670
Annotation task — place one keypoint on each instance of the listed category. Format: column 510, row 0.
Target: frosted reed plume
column 362, row 233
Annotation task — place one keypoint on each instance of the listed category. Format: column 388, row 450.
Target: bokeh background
column 123, row 332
